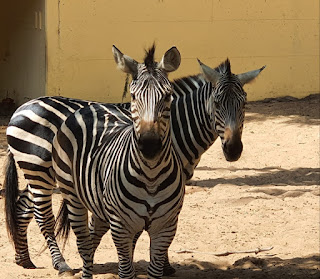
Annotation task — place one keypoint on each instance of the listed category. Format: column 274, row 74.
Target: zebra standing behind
column 129, row 176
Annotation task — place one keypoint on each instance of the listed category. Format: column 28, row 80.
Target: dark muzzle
column 232, row 147
column 149, row 144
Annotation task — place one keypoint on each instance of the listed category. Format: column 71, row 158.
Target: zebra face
column 228, row 105
column 229, row 111
column 150, row 108
column 151, row 97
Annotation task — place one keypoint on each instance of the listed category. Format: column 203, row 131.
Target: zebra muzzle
column 232, row 146
column 149, row 144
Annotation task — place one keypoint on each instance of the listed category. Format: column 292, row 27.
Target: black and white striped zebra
column 127, row 174
column 29, row 134
column 35, row 123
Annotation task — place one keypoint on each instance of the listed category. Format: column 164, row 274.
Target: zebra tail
column 62, row 225
column 11, row 189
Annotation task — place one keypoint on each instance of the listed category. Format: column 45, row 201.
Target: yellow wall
column 284, row 35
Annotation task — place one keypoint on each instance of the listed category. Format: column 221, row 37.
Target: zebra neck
column 153, row 167
column 192, row 121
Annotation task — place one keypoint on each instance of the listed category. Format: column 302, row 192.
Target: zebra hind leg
column 46, row 221
column 78, row 219
column 24, row 216
column 62, row 230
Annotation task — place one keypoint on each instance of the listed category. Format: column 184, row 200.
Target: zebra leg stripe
column 159, row 245
column 123, row 241
column 97, row 228
column 46, row 221
column 24, row 216
column 79, row 223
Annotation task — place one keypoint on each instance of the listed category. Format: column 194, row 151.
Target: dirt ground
column 269, row 198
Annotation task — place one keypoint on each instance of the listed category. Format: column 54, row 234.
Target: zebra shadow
column 244, row 268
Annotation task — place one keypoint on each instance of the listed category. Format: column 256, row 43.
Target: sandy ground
column 269, row 198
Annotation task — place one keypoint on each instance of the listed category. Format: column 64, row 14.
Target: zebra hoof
column 67, row 274
column 64, row 269
column 26, row 264
column 168, row 270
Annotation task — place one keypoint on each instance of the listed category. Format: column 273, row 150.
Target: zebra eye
column 168, row 97
column 216, row 104
column 133, row 97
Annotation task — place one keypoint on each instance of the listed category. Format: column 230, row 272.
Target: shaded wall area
column 22, row 52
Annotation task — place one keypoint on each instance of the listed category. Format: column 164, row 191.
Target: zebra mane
column 196, row 77
column 149, row 58
column 224, row 67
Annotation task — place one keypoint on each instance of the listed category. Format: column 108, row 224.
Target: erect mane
column 149, row 58
column 196, row 77
column 225, row 67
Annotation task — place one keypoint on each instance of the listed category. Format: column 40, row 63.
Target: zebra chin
column 150, row 145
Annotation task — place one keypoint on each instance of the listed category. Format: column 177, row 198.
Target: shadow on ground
column 300, row 111
column 265, row 177
column 245, row 268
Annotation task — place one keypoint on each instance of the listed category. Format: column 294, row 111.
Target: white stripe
column 26, row 136
column 24, row 157
column 55, row 111
column 36, row 118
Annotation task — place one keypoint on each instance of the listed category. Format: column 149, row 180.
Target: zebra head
column 151, row 97
column 227, row 105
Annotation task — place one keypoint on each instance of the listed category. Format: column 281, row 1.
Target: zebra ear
column 171, row 60
column 124, row 62
column 249, row 76
column 210, row 74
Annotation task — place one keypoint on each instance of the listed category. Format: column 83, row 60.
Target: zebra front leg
column 167, row 268
column 97, row 228
column 135, row 239
column 123, row 241
column 46, row 221
column 159, row 245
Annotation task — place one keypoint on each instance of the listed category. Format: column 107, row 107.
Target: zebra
column 127, row 174
column 29, row 135
column 39, row 119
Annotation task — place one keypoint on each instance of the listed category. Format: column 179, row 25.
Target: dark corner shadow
column 244, row 268
column 267, row 176
column 301, row 111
